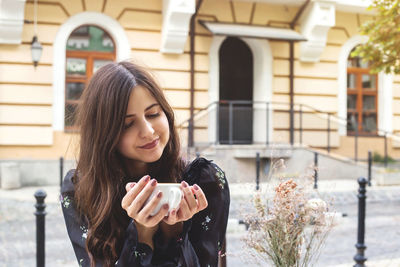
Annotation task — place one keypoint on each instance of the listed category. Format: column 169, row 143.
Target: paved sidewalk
column 334, row 192
column 341, row 191
column 17, row 225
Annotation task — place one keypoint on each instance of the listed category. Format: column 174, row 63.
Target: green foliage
column 382, row 50
column 376, row 157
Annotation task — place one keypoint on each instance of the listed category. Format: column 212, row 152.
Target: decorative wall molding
column 350, row 6
column 11, row 21
column 354, row 6
column 316, row 21
column 176, row 22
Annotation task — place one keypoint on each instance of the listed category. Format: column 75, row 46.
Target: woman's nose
column 147, row 129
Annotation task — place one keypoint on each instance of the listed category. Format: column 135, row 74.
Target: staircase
column 314, row 131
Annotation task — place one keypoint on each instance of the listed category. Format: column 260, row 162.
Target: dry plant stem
column 291, row 231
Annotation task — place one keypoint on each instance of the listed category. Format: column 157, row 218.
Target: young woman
column 128, row 144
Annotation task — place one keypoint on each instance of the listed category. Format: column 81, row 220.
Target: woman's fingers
column 184, row 212
column 189, row 205
column 128, row 186
column 151, row 205
column 134, row 191
column 153, row 220
column 188, row 195
column 193, row 201
column 137, row 204
column 202, row 202
column 172, row 217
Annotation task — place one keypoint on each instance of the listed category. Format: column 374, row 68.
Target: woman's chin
column 152, row 157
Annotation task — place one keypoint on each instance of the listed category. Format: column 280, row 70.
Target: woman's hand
column 189, row 205
column 136, row 196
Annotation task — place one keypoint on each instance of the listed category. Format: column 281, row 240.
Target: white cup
column 171, row 195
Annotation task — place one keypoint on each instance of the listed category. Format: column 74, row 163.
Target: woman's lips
column 150, row 145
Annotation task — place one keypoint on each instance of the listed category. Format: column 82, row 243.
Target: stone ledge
column 388, row 178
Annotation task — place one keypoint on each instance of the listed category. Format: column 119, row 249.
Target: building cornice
column 351, row 6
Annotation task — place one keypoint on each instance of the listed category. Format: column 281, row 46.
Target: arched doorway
column 88, row 48
column 235, row 85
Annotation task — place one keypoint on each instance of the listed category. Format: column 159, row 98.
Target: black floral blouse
column 199, row 244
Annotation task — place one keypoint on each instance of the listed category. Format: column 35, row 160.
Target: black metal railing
column 234, row 121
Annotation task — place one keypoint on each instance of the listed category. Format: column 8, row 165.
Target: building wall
column 26, row 94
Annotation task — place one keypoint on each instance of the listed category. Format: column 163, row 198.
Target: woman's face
column 146, row 129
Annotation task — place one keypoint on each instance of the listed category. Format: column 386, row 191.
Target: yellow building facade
column 156, row 33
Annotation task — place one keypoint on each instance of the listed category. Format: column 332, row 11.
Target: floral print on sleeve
column 220, row 175
column 65, row 201
column 84, row 231
column 205, row 223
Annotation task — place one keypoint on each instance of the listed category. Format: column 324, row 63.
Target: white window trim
column 59, row 54
column 262, row 85
column 385, row 87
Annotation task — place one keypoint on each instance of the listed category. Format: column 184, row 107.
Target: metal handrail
column 300, row 108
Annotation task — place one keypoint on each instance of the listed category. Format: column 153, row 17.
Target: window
column 88, row 48
column 362, row 98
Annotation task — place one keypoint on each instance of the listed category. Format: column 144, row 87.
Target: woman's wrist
column 145, row 234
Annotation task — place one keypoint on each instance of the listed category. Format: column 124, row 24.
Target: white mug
column 171, row 194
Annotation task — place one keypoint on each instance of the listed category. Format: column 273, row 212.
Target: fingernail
column 173, row 212
column 153, row 182
column 196, row 187
column 132, row 185
column 159, row 194
column 146, row 178
column 165, row 206
column 184, row 184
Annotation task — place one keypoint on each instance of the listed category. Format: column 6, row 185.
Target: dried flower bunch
column 290, row 231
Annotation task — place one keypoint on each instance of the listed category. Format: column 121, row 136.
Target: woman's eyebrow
column 149, row 107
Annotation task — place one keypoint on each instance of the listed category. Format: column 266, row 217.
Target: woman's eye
column 153, row 115
column 128, row 125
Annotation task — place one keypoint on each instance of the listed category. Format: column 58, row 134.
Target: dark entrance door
column 235, row 84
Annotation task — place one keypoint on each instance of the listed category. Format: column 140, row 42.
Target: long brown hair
column 101, row 175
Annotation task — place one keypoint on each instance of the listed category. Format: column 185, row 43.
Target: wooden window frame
column 90, row 57
column 359, row 91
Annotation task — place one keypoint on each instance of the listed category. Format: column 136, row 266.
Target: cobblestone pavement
column 18, row 235
column 382, row 239
column 18, row 230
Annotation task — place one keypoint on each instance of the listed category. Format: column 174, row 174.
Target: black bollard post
column 315, row 170
column 40, row 213
column 359, row 257
column 61, row 170
column 258, row 171
column 369, row 167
